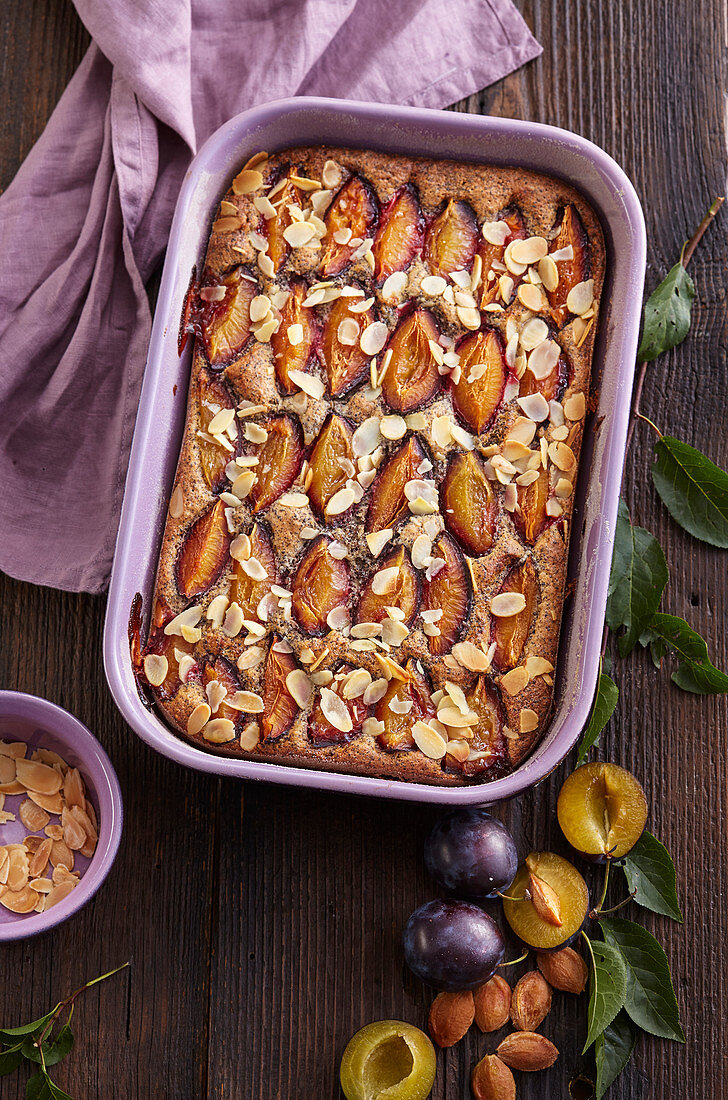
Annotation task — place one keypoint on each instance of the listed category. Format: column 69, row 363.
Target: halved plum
column 415, row 690
column 388, row 504
column 274, row 228
column 511, row 633
column 321, row 583
column 346, row 364
column 400, row 234
column 221, row 670
column 531, row 520
column 225, row 325
column 469, row 504
column 213, row 396
column 489, row 253
column 279, row 706
column 321, row 730
column 289, row 356
column 355, row 208
column 279, row 459
column 404, row 594
column 479, row 393
column 331, row 455
column 571, row 232
column 451, row 239
column 449, row 591
column 246, row 591
column 412, row 378
column 204, row 552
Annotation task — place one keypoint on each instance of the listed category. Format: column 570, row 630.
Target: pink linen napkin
column 85, row 221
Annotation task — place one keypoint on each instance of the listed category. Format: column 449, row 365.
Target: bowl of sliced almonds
column 60, row 815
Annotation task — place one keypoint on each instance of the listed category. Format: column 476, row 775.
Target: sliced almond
column 515, row 681
column 335, row 711
column 506, row 604
column 430, row 743
column 199, row 717
column 299, row 687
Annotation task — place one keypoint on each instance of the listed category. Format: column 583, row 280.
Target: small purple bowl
column 42, row 724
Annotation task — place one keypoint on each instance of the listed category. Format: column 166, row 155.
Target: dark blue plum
column 471, row 854
column 452, row 944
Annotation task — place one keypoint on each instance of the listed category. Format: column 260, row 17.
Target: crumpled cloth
column 85, row 222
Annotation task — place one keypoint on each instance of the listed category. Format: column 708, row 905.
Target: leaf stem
column 512, row 962
column 624, row 901
column 685, row 257
column 68, row 1003
column 650, row 422
column 598, row 908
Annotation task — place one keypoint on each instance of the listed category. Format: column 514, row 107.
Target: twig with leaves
column 36, row 1043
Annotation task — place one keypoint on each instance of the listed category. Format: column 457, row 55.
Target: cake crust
column 213, row 690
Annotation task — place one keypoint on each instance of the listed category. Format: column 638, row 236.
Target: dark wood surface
column 263, row 923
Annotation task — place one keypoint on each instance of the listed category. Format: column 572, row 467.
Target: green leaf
column 10, row 1059
column 605, row 703
column 639, row 575
column 607, row 988
column 694, row 672
column 613, row 1049
column 650, row 998
column 53, row 1051
column 8, row 1034
column 651, row 877
column 57, row 1093
column 40, row 1087
column 693, row 489
column 667, row 314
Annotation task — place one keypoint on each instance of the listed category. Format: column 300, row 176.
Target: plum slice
column 279, row 459
column 451, row 239
column 213, row 396
column 330, row 459
column 279, row 706
column 221, row 670
column 531, row 519
column 448, row 591
column 321, row 730
column 346, row 364
column 204, row 552
column 355, row 209
column 164, row 645
column 469, row 504
column 248, row 591
column 388, row 504
column 226, row 324
column 412, row 378
column 602, row 810
column 415, row 690
column 478, row 394
column 321, row 583
column 400, row 234
column 510, row 633
column 405, row 593
column 570, row 232
column 274, row 228
column 547, row 901
column 488, row 737
column 552, row 386
column 494, row 252
column 289, row 356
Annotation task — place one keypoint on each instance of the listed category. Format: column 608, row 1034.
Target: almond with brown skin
column 564, row 970
column 527, row 1051
column 531, row 1001
column 451, row 1015
column 492, row 1004
column 491, row 1079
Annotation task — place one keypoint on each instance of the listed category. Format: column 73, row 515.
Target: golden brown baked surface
column 363, row 563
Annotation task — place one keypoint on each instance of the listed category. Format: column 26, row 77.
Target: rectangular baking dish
column 162, row 406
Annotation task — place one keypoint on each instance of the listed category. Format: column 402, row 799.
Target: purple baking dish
column 42, row 724
column 160, row 421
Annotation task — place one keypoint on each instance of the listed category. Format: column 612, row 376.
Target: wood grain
column 264, row 923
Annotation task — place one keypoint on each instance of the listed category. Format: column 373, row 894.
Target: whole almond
column 565, row 969
column 531, row 1002
column 451, row 1015
column 492, row 1004
column 527, row 1051
column 491, row 1079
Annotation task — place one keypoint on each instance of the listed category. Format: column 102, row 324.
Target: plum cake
column 363, row 562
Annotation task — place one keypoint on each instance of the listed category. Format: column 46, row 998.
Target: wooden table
column 263, row 923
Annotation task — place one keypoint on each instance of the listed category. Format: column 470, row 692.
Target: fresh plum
column 452, row 944
column 471, row 853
